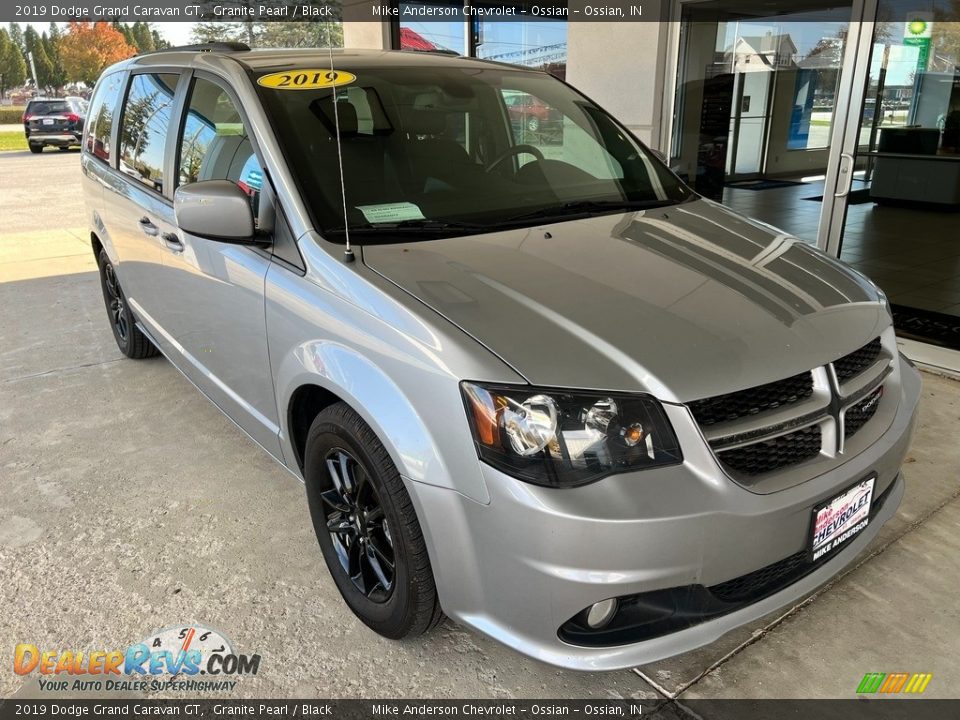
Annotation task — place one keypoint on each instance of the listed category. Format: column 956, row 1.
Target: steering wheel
column 515, row 150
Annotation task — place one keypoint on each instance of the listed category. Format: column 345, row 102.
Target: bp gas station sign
column 917, row 32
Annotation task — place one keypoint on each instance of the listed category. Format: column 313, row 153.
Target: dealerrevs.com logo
column 169, row 659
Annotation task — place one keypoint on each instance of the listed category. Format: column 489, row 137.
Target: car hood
column 683, row 302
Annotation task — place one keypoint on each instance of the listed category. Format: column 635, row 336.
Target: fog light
column 601, row 613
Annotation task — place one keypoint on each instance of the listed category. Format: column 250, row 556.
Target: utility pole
column 33, row 70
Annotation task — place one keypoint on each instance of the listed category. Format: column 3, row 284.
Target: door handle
column 849, row 175
column 172, row 241
column 148, row 227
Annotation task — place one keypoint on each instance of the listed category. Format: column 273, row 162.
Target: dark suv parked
column 54, row 121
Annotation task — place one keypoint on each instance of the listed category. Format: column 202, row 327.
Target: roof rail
column 204, row 47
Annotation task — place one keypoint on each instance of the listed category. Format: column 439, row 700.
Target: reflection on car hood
column 683, row 302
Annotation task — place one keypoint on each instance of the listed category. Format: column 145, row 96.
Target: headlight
column 562, row 438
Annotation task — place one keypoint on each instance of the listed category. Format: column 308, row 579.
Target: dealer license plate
column 839, row 519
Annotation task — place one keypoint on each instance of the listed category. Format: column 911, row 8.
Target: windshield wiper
column 587, row 208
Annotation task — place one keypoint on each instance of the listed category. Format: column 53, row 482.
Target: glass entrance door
column 759, row 88
column 898, row 219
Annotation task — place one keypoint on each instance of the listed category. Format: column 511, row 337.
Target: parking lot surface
column 128, row 503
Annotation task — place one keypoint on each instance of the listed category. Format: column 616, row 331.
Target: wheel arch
column 317, row 374
column 306, row 402
column 96, row 245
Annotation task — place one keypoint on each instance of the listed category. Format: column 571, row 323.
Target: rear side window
column 215, row 144
column 48, row 107
column 143, row 130
column 100, row 118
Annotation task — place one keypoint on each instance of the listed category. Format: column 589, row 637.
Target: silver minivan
column 525, row 373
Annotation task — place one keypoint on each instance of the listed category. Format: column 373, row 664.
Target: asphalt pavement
column 128, row 503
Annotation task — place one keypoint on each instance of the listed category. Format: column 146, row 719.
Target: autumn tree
column 88, row 48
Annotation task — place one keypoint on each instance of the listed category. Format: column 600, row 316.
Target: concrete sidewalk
column 128, row 503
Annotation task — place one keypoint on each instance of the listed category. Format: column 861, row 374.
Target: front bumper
column 520, row 567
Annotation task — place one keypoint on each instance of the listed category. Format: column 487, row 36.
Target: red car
column 529, row 112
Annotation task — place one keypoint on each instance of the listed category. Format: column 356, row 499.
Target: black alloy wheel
column 358, row 526
column 115, row 305
column 366, row 526
column 130, row 339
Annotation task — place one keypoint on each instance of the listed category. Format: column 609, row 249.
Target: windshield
column 452, row 151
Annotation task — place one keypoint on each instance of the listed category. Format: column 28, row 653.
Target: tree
column 320, row 33
column 128, row 35
column 215, row 31
column 88, row 48
column 301, row 34
column 33, row 44
column 12, row 64
column 16, row 36
column 142, row 37
column 51, row 43
column 159, row 43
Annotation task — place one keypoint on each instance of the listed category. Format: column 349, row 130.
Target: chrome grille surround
column 754, row 447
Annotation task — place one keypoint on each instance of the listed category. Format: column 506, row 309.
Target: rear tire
column 364, row 521
column 36, row 149
column 132, row 343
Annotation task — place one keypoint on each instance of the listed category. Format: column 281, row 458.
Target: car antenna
column 348, row 253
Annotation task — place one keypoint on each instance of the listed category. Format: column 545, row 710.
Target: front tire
column 367, row 528
column 132, row 343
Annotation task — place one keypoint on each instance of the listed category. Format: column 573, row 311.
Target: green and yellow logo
column 891, row 683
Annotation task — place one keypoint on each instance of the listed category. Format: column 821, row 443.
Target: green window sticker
column 390, row 212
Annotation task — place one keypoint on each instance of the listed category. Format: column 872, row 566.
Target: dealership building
column 837, row 121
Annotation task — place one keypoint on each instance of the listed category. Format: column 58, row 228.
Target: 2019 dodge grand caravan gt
column 545, row 387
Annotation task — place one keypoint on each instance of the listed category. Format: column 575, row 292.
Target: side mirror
column 215, row 210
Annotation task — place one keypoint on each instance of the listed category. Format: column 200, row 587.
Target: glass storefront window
column 433, row 35
column 541, row 44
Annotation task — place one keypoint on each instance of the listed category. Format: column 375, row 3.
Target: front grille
column 768, row 455
column 755, row 431
column 858, row 415
column 735, row 405
column 849, row 366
